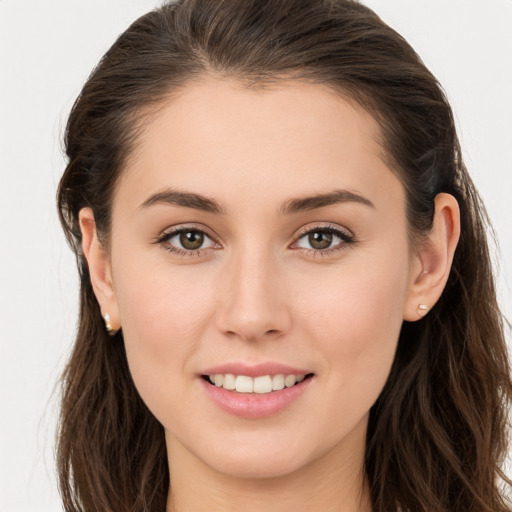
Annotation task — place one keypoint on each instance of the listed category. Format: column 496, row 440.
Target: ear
column 433, row 260
column 100, row 271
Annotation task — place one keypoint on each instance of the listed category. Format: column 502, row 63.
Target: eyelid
column 191, row 226
column 164, row 236
column 347, row 237
column 335, row 228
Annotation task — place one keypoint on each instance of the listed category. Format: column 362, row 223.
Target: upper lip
column 255, row 370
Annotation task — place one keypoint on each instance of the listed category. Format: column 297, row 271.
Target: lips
column 255, row 370
column 255, row 391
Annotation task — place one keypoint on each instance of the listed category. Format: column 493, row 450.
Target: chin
column 259, row 466
column 262, row 455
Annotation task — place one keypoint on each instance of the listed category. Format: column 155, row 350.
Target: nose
column 253, row 304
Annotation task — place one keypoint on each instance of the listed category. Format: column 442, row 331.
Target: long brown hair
column 437, row 434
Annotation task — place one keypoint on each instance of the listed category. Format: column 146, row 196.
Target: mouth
column 263, row 384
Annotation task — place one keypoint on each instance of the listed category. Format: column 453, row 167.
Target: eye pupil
column 191, row 240
column 320, row 239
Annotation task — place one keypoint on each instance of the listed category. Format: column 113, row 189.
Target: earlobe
column 433, row 260
column 99, row 268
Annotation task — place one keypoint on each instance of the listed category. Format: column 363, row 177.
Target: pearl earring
column 422, row 309
column 108, row 326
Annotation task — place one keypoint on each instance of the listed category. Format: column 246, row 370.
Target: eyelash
column 347, row 239
column 164, row 238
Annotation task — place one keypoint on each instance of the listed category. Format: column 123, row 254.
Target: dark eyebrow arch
column 320, row 200
column 184, row 199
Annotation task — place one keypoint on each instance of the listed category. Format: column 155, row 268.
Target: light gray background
column 47, row 49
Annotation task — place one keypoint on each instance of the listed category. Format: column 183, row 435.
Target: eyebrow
column 291, row 206
column 184, row 199
column 320, row 200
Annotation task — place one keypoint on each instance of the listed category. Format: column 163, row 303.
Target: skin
column 258, row 292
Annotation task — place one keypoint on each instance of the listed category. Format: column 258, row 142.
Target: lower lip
column 255, row 405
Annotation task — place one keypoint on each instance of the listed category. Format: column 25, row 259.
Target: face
column 259, row 241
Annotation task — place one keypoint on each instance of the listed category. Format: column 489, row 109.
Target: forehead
column 226, row 140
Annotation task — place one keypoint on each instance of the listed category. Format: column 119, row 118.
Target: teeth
column 289, row 380
column 244, row 384
column 229, row 381
column 263, row 384
column 278, row 382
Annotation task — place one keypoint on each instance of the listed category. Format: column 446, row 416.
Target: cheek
column 159, row 302
column 162, row 314
column 356, row 325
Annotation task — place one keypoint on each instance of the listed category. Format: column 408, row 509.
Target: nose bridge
column 252, row 305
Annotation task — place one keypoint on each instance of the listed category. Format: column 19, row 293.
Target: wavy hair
column 437, row 434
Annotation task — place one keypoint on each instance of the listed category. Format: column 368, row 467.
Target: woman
column 286, row 295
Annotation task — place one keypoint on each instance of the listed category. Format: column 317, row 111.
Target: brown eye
column 191, row 240
column 324, row 240
column 187, row 242
column 320, row 239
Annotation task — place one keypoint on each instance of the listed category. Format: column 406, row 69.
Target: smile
column 262, row 384
column 268, row 389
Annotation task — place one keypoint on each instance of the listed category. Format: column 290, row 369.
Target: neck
column 333, row 482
